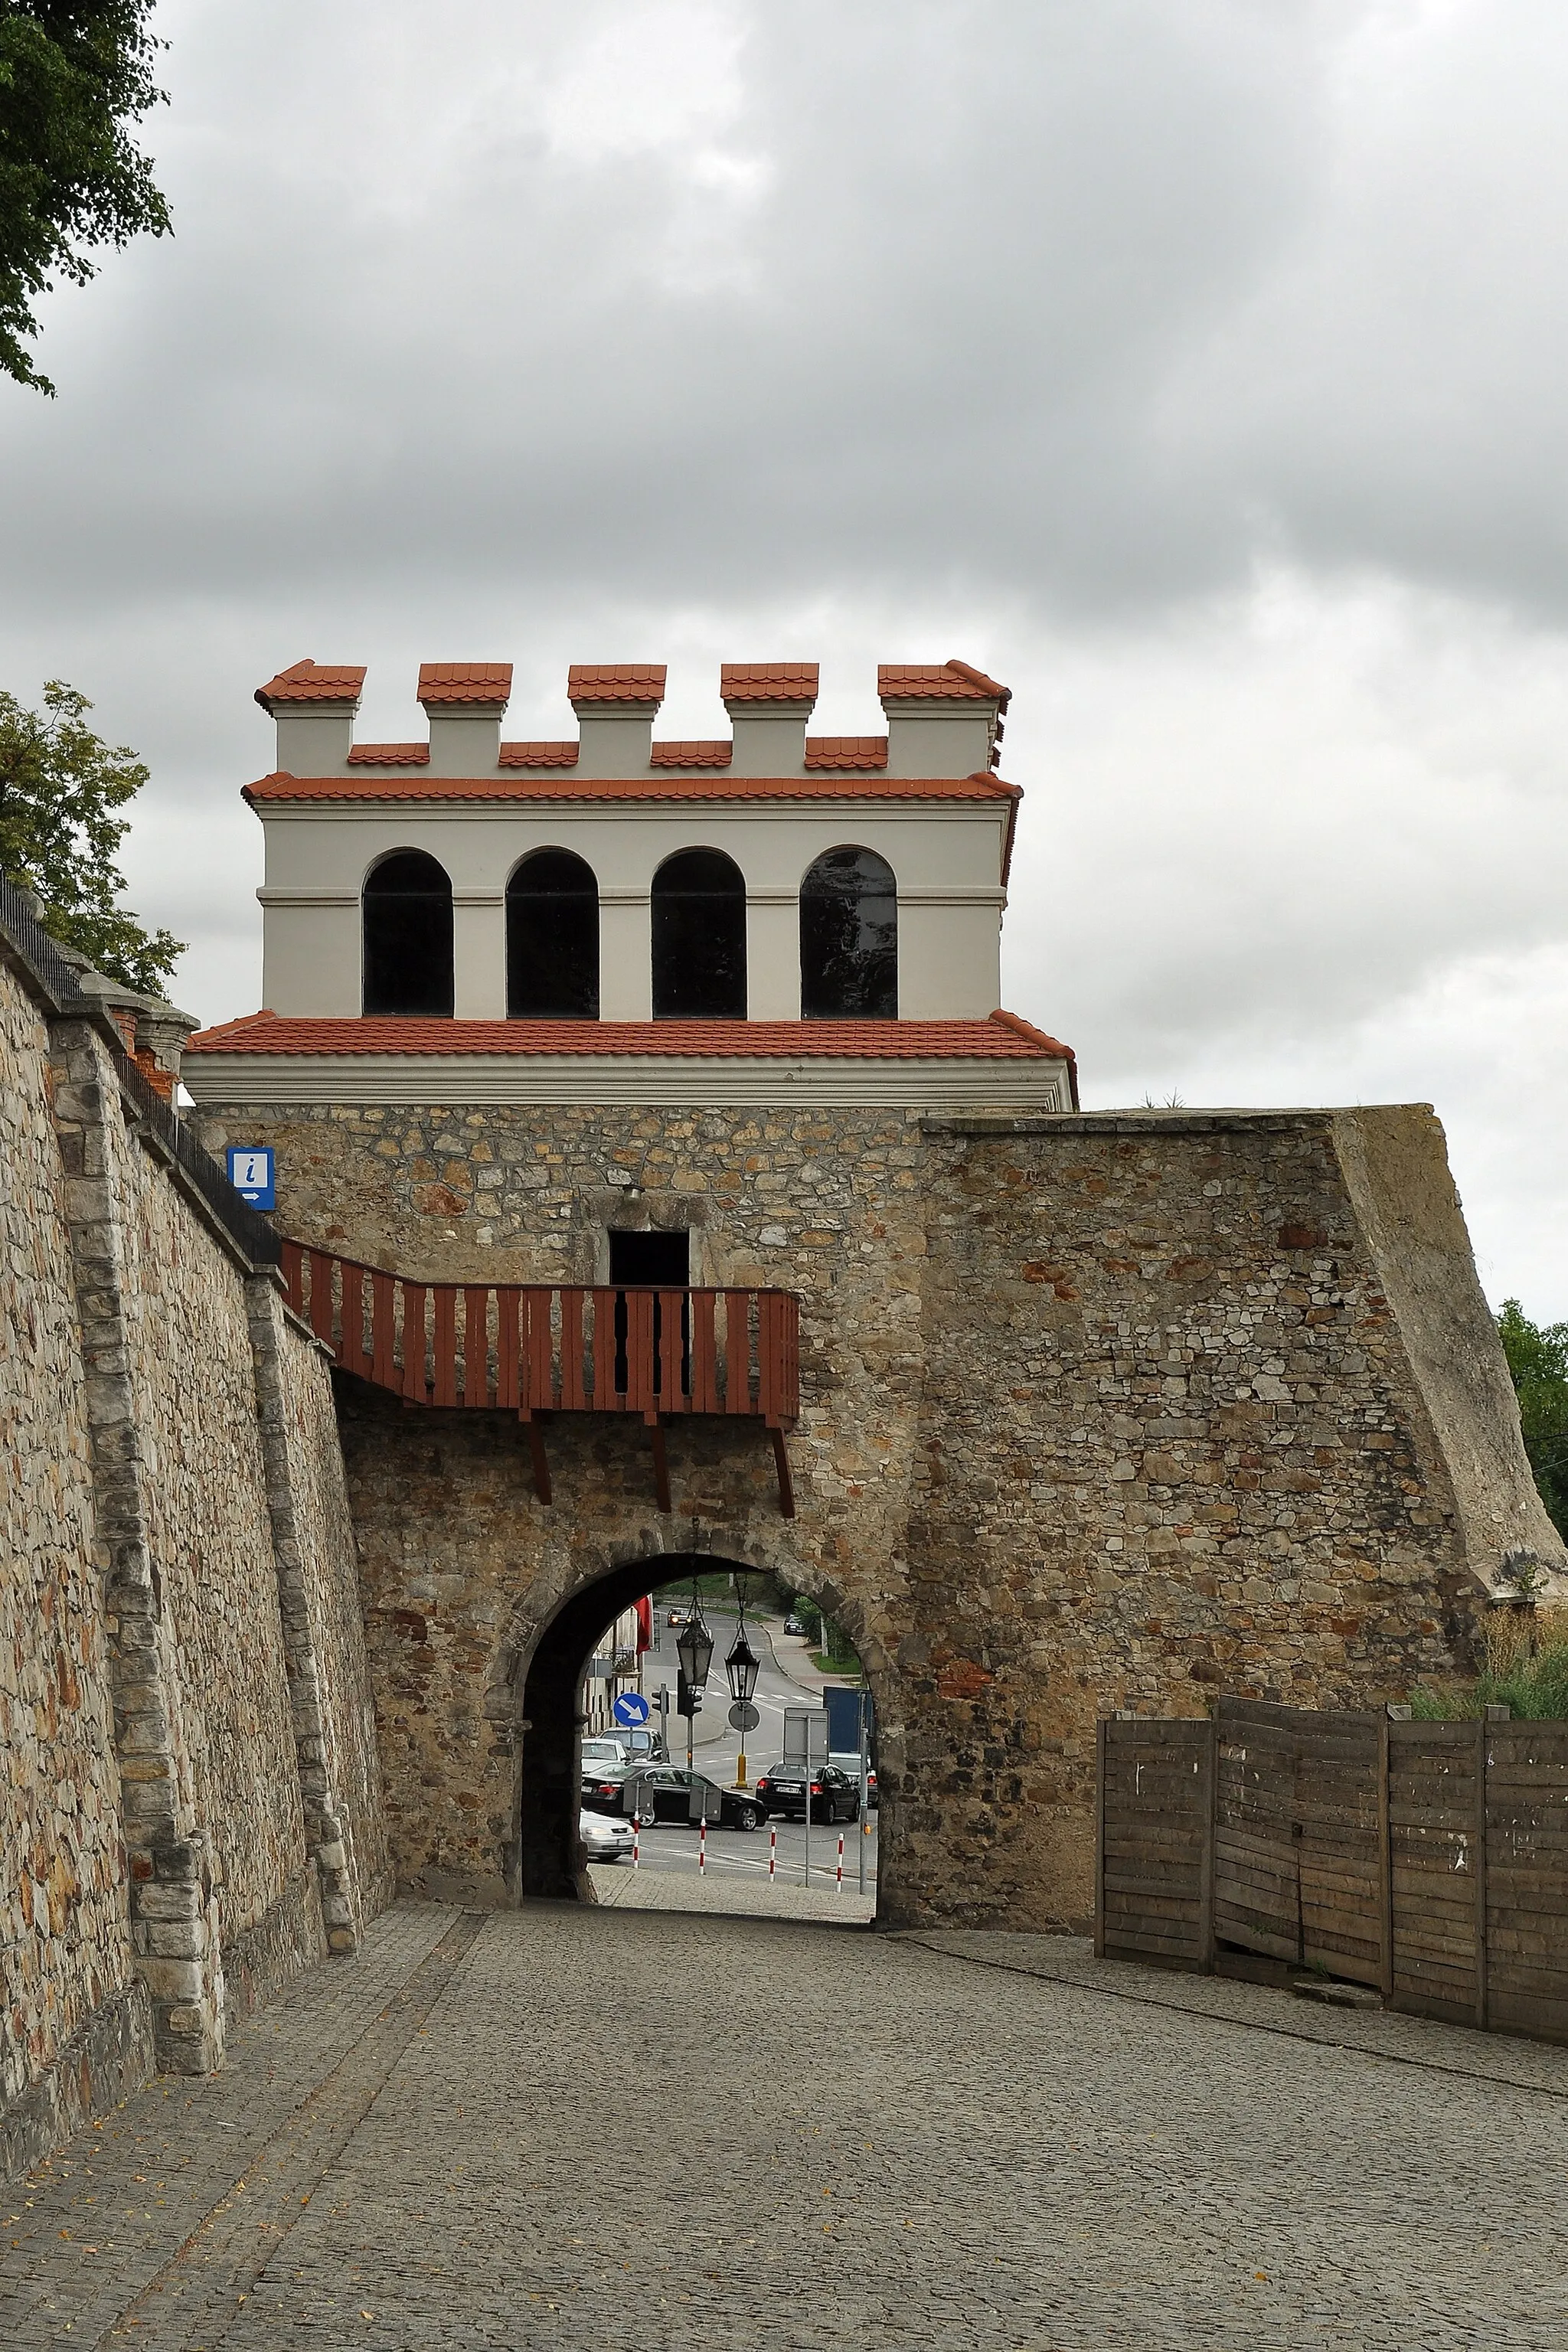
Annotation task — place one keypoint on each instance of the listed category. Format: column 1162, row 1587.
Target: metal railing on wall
column 56, row 982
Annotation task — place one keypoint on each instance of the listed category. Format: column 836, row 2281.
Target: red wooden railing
column 539, row 1349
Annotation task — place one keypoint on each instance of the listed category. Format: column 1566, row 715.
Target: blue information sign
column 252, row 1172
column 631, row 1707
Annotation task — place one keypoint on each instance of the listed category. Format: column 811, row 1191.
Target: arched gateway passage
column 549, row 1777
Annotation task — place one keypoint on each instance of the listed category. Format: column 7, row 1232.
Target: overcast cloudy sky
column 1196, row 366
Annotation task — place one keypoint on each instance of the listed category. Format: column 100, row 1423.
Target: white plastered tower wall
column 948, row 855
column 947, row 861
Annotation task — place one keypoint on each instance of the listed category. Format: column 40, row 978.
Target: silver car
column 604, row 1838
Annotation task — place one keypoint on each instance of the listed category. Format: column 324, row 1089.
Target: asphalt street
column 732, row 1853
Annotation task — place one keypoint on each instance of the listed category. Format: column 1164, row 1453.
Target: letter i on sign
column 252, row 1171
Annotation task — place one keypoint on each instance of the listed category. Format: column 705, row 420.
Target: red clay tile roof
column 594, row 682
column 539, row 755
column 389, row 755
column 470, row 682
column 767, row 682
column 1002, row 1038
column 709, row 754
column 846, row 751
column 948, row 681
column 824, row 784
column 310, row 681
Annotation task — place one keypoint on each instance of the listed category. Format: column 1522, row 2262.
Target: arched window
column 849, row 938
column 698, row 938
column 552, row 939
column 407, row 912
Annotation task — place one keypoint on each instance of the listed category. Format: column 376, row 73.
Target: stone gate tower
column 1060, row 1412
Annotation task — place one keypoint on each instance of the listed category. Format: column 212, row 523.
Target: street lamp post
column 742, row 1666
column 695, row 1650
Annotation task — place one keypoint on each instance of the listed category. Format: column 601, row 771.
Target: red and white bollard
column 636, row 1832
column 772, row 1852
column 841, row 1861
column 702, row 1847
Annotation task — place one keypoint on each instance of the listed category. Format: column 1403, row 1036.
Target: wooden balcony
column 536, row 1350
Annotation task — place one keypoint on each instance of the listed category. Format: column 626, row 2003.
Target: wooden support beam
column 660, row 1463
column 786, row 1483
column 541, row 1462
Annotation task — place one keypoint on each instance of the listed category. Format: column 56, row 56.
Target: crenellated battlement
column 944, row 719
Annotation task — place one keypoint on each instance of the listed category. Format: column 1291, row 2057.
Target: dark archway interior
column 552, row 939
column 849, row 938
column 549, row 1779
column 408, row 917
column 698, row 938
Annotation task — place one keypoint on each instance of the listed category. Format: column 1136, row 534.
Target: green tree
column 71, row 78
column 59, row 786
column 1538, row 1361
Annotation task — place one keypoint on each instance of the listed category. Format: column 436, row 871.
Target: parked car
column 605, row 1840
column 835, row 1796
column 849, row 1763
column 662, row 1792
column 607, row 1752
column 603, row 1790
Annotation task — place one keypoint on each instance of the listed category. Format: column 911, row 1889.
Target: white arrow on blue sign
column 631, row 1707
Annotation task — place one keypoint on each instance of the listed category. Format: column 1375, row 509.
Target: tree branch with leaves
column 60, row 785
column 72, row 80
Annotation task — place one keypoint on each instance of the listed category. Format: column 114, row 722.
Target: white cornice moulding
column 978, row 895
column 508, row 809
column 307, row 898
column 218, row 1082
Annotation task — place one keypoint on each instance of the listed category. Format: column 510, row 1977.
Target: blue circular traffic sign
column 631, row 1707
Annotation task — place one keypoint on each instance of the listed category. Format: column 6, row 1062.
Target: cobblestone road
column 427, row 2148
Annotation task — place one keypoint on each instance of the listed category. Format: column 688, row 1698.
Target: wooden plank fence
column 1429, row 1859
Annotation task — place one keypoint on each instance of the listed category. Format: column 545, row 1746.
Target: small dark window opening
column 408, row 917
column 650, row 1260
column 552, row 939
column 698, row 938
column 849, row 939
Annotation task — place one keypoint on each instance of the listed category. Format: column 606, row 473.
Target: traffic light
column 687, row 1700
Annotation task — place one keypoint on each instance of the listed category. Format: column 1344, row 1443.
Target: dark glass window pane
column 699, row 939
column 849, row 939
column 407, row 916
column 552, row 939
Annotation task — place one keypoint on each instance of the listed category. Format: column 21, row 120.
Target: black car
column 835, row 1796
column 603, row 1790
column 663, row 1792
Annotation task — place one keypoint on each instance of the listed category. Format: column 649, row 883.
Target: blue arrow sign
column 631, row 1707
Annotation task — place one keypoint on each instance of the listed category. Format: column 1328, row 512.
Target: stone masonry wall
column 1097, row 1412
column 323, row 1627
column 1181, row 1448
column 65, row 1935
column 210, row 1537
column 175, row 1817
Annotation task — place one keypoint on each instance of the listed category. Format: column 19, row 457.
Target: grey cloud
column 1194, row 364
